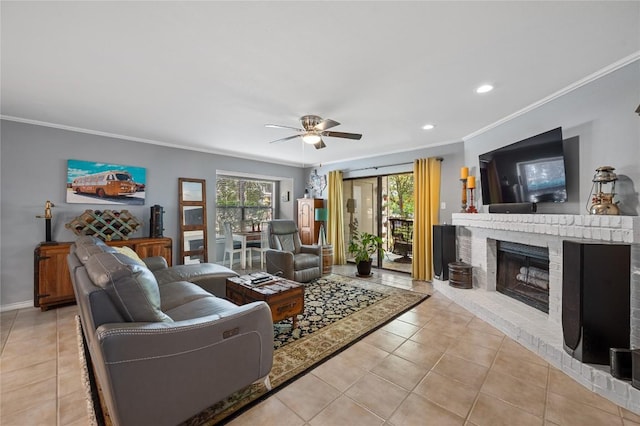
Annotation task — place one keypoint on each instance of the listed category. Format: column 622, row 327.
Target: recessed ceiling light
column 428, row 126
column 484, row 88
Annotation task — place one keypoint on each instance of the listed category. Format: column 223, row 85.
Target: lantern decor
column 471, row 184
column 602, row 202
column 464, row 174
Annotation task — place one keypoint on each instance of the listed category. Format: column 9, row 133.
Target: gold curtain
column 426, row 195
column 335, row 222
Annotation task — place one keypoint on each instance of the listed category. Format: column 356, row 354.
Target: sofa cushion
column 285, row 243
column 202, row 307
column 193, row 272
column 304, row 261
column 127, row 251
column 132, row 288
column 178, row 293
column 85, row 251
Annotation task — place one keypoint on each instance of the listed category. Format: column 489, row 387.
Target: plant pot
column 364, row 268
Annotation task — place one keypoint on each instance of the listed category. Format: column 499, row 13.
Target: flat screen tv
column 529, row 171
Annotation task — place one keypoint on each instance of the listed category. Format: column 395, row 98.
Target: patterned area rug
column 338, row 312
column 326, row 301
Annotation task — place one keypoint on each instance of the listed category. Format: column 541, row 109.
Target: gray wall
column 450, row 186
column 34, row 169
column 600, row 128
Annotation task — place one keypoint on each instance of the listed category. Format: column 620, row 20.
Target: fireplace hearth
column 523, row 273
column 477, row 239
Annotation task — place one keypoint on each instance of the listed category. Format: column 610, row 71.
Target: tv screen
column 528, row 171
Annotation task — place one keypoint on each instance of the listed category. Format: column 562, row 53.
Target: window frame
column 242, row 219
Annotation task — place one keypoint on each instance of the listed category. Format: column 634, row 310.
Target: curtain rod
column 388, row 165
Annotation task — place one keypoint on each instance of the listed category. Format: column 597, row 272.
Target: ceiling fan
column 313, row 129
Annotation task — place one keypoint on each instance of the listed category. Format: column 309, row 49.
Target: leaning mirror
column 192, row 191
column 193, row 220
column 192, row 215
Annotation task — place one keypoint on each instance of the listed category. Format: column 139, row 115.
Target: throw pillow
column 130, row 254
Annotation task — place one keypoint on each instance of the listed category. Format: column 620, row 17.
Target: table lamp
column 321, row 216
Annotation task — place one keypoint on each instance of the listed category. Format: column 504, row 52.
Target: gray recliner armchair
column 287, row 255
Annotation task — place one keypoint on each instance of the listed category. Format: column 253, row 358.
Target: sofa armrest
column 280, row 263
column 313, row 249
column 155, row 263
column 174, row 370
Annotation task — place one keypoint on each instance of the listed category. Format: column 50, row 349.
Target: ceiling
column 208, row 76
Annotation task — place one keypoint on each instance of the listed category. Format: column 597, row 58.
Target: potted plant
column 363, row 245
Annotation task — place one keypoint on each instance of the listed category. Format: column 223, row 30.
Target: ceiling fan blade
column 356, row 136
column 285, row 139
column 319, row 145
column 278, row 126
column 325, row 124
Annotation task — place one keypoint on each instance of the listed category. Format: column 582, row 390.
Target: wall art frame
column 90, row 182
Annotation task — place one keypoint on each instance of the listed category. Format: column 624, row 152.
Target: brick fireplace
column 478, row 239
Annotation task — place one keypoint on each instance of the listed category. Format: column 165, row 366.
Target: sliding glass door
column 361, row 208
column 382, row 205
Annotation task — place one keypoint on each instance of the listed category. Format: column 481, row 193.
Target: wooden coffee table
column 284, row 297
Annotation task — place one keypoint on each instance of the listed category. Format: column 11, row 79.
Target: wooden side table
column 327, row 259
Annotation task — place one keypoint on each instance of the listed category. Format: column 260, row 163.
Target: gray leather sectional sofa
column 163, row 348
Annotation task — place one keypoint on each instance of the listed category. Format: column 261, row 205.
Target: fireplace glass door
column 523, row 273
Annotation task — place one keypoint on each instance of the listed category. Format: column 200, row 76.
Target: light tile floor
column 435, row 365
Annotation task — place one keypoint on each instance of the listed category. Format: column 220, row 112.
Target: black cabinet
column 596, row 279
column 444, row 250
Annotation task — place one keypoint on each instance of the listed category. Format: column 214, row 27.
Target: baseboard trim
column 17, row 305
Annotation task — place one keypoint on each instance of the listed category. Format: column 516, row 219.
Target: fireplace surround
column 477, row 244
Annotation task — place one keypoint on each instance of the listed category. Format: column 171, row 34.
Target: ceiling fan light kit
column 314, row 128
column 311, row 138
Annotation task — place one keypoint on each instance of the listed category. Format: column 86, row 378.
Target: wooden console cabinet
column 52, row 282
column 308, row 227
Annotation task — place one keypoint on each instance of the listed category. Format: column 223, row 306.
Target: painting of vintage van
column 102, row 183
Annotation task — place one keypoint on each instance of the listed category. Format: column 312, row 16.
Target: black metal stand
column 47, row 230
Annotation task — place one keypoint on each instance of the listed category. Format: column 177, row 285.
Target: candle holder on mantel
column 464, row 195
column 471, row 184
column 472, row 207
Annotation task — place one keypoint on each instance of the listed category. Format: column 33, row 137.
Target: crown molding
column 143, row 140
column 586, row 80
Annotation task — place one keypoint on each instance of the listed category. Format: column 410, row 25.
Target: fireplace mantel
column 477, row 234
column 619, row 229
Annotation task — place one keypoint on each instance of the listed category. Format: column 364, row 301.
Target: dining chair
column 231, row 247
column 263, row 245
